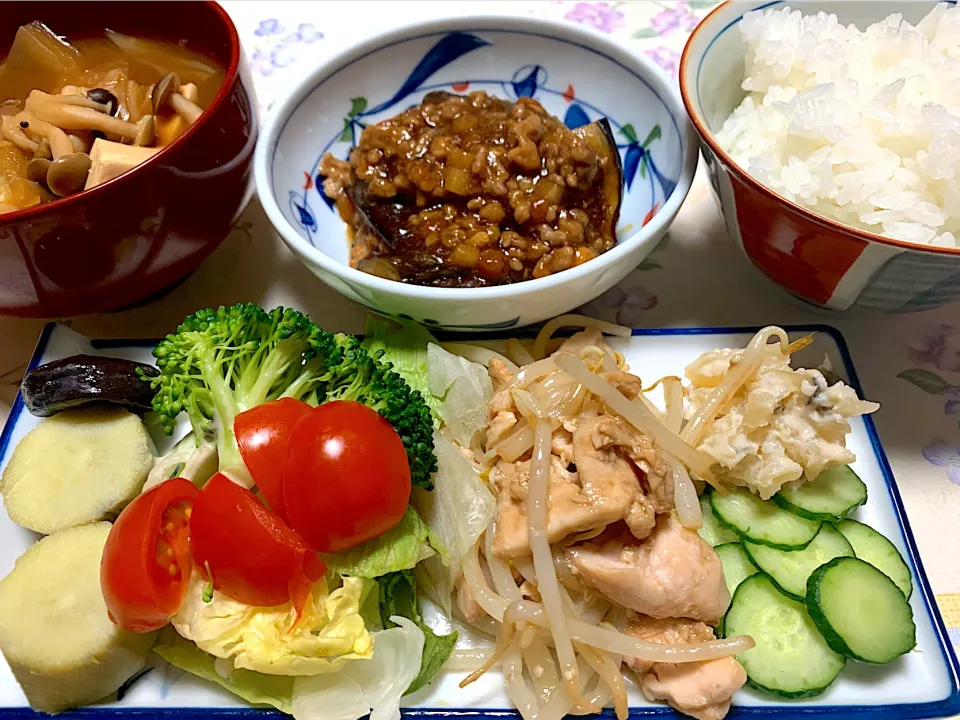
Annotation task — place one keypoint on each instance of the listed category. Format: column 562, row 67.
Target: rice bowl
column 831, row 263
column 862, row 127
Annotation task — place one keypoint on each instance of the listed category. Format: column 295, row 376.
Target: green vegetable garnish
column 254, row 687
column 208, row 592
column 224, row 361
column 398, row 596
column 399, row 548
column 403, row 344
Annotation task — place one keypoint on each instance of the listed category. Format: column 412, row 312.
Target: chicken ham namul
column 594, row 551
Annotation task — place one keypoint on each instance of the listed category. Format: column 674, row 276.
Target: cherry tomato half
column 263, row 433
column 346, row 478
column 146, row 562
column 246, row 551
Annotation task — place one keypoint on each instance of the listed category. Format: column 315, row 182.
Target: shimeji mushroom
column 67, row 175
column 37, row 170
column 40, row 163
column 105, row 98
column 36, row 128
column 80, row 144
column 57, row 130
column 190, row 91
column 43, row 150
column 67, row 172
column 74, row 117
column 37, row 97
column 167, row 92
column 37, row 167
column 11, row 130
column 170, row 130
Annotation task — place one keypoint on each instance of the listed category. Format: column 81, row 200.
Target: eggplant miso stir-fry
column 74, row 114
column 472, row 191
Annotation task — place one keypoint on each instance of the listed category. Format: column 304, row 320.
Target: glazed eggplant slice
column 387, row 219
column 605, row 212
column 436, row 97
column 85, row 379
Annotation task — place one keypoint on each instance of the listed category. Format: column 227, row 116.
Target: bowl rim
column 592, row 40
column 230, row 75
column 707, row 137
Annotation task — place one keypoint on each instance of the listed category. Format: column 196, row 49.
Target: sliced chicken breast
column 674, row 573
column 702, row 690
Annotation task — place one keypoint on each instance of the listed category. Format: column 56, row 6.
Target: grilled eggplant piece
column 386, row 218
column 600, row 136
column 84, row 379
column 436, row 97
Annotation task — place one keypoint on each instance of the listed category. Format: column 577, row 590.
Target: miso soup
column 76, row 113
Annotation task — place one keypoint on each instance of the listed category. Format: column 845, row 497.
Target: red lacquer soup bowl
column 818, row 260
column 133, row 236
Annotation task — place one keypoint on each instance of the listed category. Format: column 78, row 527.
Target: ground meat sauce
column 472, row 191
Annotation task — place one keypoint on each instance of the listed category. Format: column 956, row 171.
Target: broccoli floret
column 222, row 362
column 363, row 378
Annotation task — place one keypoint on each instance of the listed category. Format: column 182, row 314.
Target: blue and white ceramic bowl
column 577, row 74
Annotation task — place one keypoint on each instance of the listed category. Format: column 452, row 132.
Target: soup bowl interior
column 136, row 234
column 816, row 259
column 573, row 74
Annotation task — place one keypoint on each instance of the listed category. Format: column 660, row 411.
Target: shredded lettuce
column 398, row 598
column 458, row 510
column 400, row 548
column 403, row 344
column 331, row 631
column 254, row 687
column 372, row 687
column 466, row 390
column 456, row 390
column 370, row 605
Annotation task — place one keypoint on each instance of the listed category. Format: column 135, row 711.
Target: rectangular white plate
column 922, row 684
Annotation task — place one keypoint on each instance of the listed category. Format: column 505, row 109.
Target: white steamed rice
column 859, row 126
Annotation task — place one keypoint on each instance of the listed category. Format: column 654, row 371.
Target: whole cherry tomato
column 263, row 433
column 346, row 478
column 146, row 562
column 248, row 552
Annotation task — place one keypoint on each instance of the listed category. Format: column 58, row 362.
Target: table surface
column 910, row 364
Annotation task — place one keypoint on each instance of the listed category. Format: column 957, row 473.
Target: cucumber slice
column 712, row 532
column 762, row 521
column 873, row 547
column 791, row 659
column 832, row 495
column 860, row 612
column 736, row 565
column 790, row 569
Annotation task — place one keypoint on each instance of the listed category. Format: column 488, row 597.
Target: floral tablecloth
column 910, row 364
